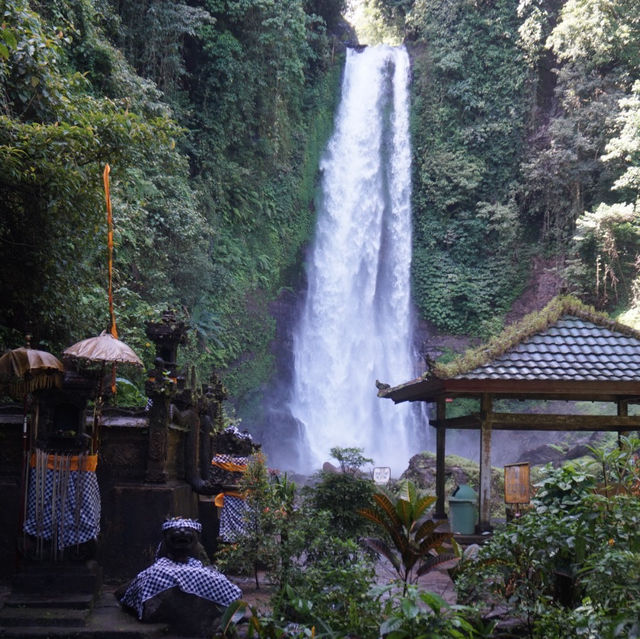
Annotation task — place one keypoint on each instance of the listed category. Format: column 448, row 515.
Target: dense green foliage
column 323, row 580
column 469, row 115
column 318, row 569
column 59, row 125
column 567, row 567
column 342, row 494
column 525, row 134
column 212, row 116
column 578, row 178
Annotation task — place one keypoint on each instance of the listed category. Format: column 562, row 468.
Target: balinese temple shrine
column 85, row 486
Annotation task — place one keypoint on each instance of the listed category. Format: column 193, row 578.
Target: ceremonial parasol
column 24, row 370
column 106, row 348
column 103, row 349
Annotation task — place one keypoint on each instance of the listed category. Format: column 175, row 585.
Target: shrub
column 342, row 494
column 569, row 567
column 411, row 543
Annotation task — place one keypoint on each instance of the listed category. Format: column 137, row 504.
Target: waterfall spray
column 356, row 326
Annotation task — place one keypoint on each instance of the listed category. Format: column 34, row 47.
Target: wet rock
column 575, row 445
column 187, row 615
column 422, row 471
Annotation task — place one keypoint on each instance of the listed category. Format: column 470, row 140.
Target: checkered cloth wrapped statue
column 233, row 515
column 177, row 568
column 63, row 500
column 233, row 507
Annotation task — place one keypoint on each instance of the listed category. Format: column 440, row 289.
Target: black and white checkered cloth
column 233, row 518
column 70, row 517
column 234, row 430
column 192, row 577
column 230, row 460
column 182, row 522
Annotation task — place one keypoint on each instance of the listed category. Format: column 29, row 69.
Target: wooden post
column 623, row 411
column 485, row 463
column 441, row 432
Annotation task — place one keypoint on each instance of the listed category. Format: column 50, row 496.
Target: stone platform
column 65, row 616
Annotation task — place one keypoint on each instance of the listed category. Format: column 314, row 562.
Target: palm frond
column 434, row 541
column 422, row 504
column 404, row 509
column 406, row 491
column 426, row 528
column 378, row 518
column 374, row 516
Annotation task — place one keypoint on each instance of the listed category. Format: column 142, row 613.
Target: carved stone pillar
column 167, row 335
column 160, row 389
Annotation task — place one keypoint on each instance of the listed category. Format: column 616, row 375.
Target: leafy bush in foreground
column 568, row 567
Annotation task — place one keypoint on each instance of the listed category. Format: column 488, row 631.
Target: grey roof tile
column 571, row 349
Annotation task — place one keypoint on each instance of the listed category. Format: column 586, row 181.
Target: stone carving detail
column 160, row 389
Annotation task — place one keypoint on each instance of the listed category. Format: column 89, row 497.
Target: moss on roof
column 530, row 325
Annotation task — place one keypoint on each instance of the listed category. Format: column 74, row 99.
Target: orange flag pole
column 112, row 328
column 105, row 177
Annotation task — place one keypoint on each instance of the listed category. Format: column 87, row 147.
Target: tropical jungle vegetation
column 212, row 115
column 566, row 567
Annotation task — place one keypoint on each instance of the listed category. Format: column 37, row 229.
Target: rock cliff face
column 422, row 471
column 274, row 426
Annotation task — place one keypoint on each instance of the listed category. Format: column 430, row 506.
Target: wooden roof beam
column 546, row 422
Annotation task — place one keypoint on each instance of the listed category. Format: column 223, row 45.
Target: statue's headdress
column 181, row 522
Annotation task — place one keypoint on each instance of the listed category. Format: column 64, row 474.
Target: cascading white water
column 356, row 326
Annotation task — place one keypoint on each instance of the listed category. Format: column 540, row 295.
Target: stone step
column 43, row 617
column 59, row 579
column 83, row 633
column 79, row 600
column 105, row 620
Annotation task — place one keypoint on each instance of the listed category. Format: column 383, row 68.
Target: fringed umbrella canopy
column 24, row 370
column 104, row 348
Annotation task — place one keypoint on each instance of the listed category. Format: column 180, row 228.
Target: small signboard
column 381, row 474
column 516, row 483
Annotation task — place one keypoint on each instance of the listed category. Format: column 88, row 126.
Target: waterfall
column 356, row 325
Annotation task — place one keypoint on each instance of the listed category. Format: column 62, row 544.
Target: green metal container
column 463, row 510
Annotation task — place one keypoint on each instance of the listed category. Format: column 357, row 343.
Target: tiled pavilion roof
column 566, row 346
column 567, row 351
column 571, row 349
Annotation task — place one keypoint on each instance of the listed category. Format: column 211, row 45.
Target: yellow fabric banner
column 219, row 500
column 56, row 462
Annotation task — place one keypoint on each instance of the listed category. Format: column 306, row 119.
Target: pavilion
column 566, row 351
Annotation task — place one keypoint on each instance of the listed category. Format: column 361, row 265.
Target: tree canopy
column 213, row 113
